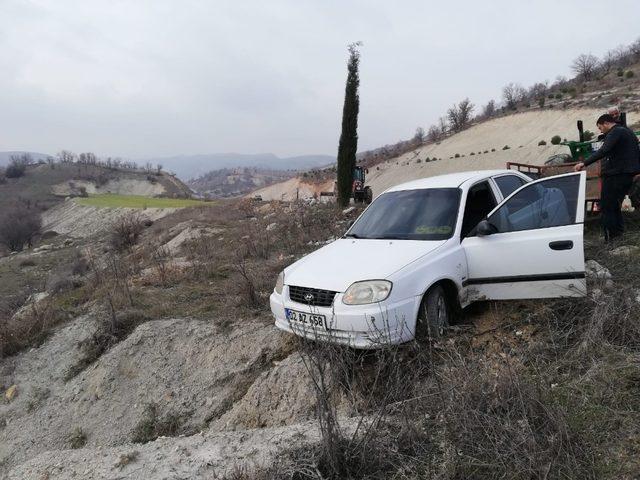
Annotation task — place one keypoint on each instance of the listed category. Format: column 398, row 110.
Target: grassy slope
column 36, row 184
column 135, row 201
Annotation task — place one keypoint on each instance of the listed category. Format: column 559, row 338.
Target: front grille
column 321, row 298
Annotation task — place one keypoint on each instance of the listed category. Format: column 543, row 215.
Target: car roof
column 451, row 180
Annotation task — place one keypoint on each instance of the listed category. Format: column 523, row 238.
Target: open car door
column 533, row 244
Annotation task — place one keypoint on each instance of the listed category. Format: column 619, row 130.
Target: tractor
column 359, row 192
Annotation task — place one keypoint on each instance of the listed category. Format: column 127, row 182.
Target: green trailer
column 564, row 163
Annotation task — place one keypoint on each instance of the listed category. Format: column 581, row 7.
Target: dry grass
column 153, row 425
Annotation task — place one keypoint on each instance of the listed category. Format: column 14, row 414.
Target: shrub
column 558, row 96
column 541, row 102
column 152, row 425
column 629, row 74
column 126, row 232
column 77, row 438
column 3, row 177
column 486, row 151
column 493, row 149
column 620, row 73
column 18, row 226
column 457, row 155
column 542, row 143
column 16, row 168
column 472, row 154
column 588, row 135
column 420, row 161
column 555, row 140
column 550, row 96
column 27, row 262
column 506, row 147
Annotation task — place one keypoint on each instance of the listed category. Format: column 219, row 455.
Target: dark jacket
column 620, row 152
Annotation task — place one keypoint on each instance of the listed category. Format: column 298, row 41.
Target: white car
column 426, row 248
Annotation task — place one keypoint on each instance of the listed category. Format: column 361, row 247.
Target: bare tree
column 608, row 61
column 634, row 49
column 65, row 156
column 419, row 136
column 434, row 134
column 489, row 109
column 538, row 90
column 623, row 56
column 513, row 93
column 18, row 226
column 585, row 66
column 460, row 115
column 443, row 125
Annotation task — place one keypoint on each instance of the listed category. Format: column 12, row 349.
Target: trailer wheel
column 634, row 193
column 368, row 195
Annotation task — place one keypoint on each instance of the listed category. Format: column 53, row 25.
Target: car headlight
column 279, row 283
column 370, row 291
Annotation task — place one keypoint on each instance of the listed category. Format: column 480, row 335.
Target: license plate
column 312, row 320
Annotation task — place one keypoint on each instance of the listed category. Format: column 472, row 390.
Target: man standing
column 620, row 157
column 615, row 113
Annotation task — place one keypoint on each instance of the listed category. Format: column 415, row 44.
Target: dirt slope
column 524, row 129
column 520, row 131
column 292, row 189
column 190, row 369
column 79, row 221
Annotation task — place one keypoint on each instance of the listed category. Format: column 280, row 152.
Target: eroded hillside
column 161, row 361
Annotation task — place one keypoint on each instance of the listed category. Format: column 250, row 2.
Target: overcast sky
column 143, row 78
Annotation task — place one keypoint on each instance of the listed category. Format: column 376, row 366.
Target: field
column 135, row 201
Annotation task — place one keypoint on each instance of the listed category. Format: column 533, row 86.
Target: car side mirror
column 485, row 228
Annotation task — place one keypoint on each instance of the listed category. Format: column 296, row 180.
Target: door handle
column 561, row 245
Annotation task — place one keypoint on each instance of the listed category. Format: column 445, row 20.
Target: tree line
column 18, row 163
column 586, row 67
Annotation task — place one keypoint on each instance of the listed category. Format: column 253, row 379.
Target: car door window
column 480, row 201
column 549, row 203
column 508, row 184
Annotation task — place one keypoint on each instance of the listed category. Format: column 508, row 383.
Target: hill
column 230, row 182
column 192, row 166
column 479, row 147
column 5, row 157
column 45, row 185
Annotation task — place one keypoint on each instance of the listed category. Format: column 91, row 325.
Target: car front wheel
column 434, row 315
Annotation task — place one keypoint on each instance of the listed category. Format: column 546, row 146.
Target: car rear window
column 508, row 184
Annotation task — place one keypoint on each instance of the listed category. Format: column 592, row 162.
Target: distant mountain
column 5, row 157
column 233, row 182
column 192, row 166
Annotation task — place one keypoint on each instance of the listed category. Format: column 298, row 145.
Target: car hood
column 336, row 266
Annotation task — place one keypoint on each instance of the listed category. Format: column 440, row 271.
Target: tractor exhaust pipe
column 580, row 131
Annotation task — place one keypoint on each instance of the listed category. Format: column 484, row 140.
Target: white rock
column 594, row 270
column 625, row 250
column 271, row 226
column 348, row 210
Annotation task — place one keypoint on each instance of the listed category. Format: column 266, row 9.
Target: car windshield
column 426, row 214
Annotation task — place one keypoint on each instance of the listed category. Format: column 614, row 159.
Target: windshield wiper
column 391, row 237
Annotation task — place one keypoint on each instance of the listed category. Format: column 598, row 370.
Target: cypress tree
column 349, row 137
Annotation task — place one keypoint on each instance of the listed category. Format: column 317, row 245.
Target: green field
column 135, row 201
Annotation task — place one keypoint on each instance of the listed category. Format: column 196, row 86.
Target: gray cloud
column 159, row 77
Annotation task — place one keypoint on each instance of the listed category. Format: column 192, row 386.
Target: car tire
column 435, row 314
column 368, row 195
